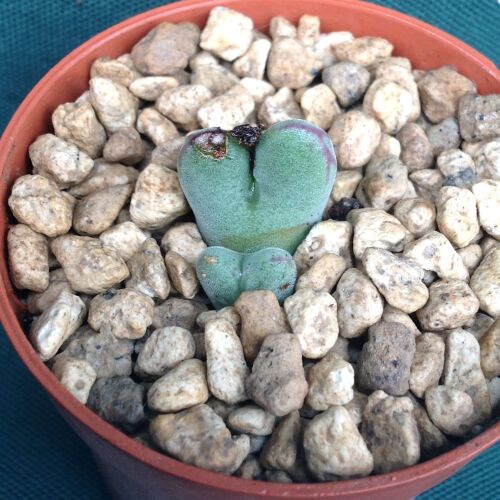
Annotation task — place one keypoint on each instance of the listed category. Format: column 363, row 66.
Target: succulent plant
column 225, row 274
column 250, row 193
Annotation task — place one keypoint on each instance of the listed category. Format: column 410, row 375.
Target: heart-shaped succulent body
column 225, row 274
column 247, row 199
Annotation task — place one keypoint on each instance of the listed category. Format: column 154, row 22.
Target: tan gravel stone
column 252, row 64
column 38, row 203
column 278, row 107
column 90, row 267
column 115, row 106
column 462, row 371
column 164, row 349
column 182, row 387
column 478, row 116
column 440, row 91
column 251, row 419
column 331, row 382
column 227, row 110
column 181, row 104
column 432, row 440
column 126, row 313
column 451, row 304
column 158, row 198
column 416, row 214
column 166, row 49
column 216, row 78
column 378, row 229
column 367, row 51
column 345, row 185
column 290, row 64
column 38, row 302
column 427, row 182
column 398, row 279
column 77, row 123
column 277, row 382
column 226, row 366
column 184, row 239
column 113, row 69
column 56, row 324
column 96, row 212
column 416, row 149
column 427, row 364
column 324, row 274
column 348, row 80
column 155, row 126
column 485, row 282
column 126, row 238
column 490, row 351
column 182, row 275
column 334, row 447
column 359, row 303
column 281, row 27
column 76, row 375
column 280, row 452
column 261, row 315
column 456, row 215
column 355, row 136
column 28, row 258
column 434, row 252
column 108, row 356
column 393, row 315
column 105, row 175
column 487, row 194
column 325, row 237
column 385, row 182
column 319, row 105
column 389, row 103
column 227, row 33
column 148, row 273
column 391, row 432
column 150, row 88
column 487, row 160
column 313, row 319
column 198, row 436
column 444, row 135
column 178, row 312
column 451, row 410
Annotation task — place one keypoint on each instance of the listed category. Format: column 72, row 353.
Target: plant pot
column 132, row 470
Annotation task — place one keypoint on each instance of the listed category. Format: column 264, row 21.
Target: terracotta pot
column 131, row 470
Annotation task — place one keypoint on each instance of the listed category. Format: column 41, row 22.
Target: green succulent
column 224, row 274
column 268, row 195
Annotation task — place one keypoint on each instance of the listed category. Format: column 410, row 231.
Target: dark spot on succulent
column 212, row 143
column 246, row 134
column 340, row 209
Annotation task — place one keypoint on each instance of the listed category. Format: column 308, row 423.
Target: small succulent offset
column 224, row 274
column 250, row 192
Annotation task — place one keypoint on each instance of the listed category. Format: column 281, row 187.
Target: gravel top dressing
column 274, row 257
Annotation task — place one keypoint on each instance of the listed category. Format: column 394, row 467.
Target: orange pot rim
column 447, row 461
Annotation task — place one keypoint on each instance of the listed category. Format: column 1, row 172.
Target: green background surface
column 40, row 456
